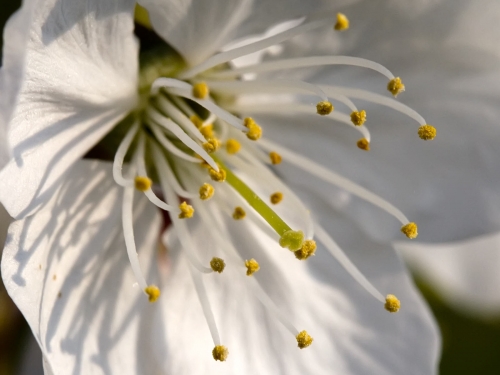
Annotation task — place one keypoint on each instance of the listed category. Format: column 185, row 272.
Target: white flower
column 75, row 273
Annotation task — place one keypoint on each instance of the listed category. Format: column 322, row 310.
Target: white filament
column 165, row 142
column 120, row 156
column 212, row 107
column 302, row 62
column 171, row 126
column 128, row 234
column 291, row 108
column 177, row 116
column 205, row 305
column 334, row 179
column 269, row 86
column 163, row 168
column 181, row 227
column 141, row 170
column 345, row 262
column 377, row 99
column 254, row 47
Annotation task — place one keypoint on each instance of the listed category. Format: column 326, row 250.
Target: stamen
column 427, row 132
column 285, row 86
column 303, row 340
column 217, row 264
column 210, row 119
column 410, row 230
column 299, row 108
column 187, row 211
column 211, row 145
column 335, row 179
column 307, row 250
column 293, row 240
column 395, row 86
column 128, row 235
column 252, row 266
column 324, row 108
column 239, row 213
column 392, row 304
column 219, row 176
column 142, row 183
column 358, row 118
column 176, row 115
column 220, row 353
column 276, row 197
column 303, row 62
column 163, row 169
column 254, row 130
column 253, row 47
column 345, row 262
column 342, row 22
column 209, row 315
column 206, row 191
column 232, row 146
column 120, row 156
column 200, row 90
column 153, row 292
column 179, row 133
column 363, row 144
column 164, row 141
column 275, row 157
column 211, row 107
column 376, row 99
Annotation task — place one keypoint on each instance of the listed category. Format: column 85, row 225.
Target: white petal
column 464, row 273
column 198, row 29
column 80, row 76
column 15, row 38
column 352, row 332
column 67, row 269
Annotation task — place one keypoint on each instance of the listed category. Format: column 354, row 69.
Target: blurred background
column 470, row 344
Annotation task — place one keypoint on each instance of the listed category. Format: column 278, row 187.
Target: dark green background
column 470, row 346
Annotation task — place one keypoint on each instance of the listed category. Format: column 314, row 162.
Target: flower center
column 189, row 140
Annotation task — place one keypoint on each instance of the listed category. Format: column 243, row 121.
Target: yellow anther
column 410, row 230
column 364, row 144
column 293, row 240
column 217, row 176
column 252, row 266
column 276, row 197
column 142, row 183
column 307, row 250
column 198, row 122
column 275, row 157
column 153, row 293
column 342, row 22
column 239, row 213
column 396, row 86
column 206, row 191
column 427, row 132
column 392, row 304
column 358, row 118
column 187, row 211
column 254, row 130
column 220, row 353
column 324, row 108
column 232, row 146
column 303, row 340
column 211, row 145
column 200, row 90
column 207, row 131
column 217, row 264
